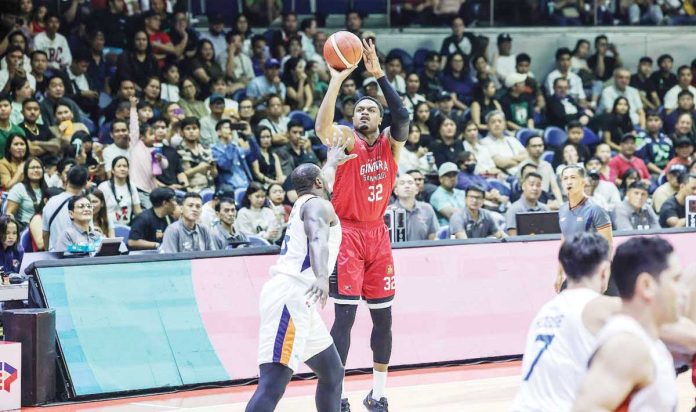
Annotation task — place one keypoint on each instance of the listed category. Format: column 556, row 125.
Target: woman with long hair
column 20, row 90
column 137, row 64
column 27, row 199
column 255, row 218
column 11, row 252
column 204, row 67
column 484, row 161
column 456, row 79
column 421, row 119
column 12, row 164
column 299, row 94
column 446, row 147
column 276, row 197
column 629, row 177
column 189, row 100
column 100, row 217
column 484, row 103
column 414, row 154
column 120, row 195
column 266, row 168
column 618, row 123
column 65, row 126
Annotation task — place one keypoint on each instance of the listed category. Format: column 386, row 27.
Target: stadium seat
column 302, row 117
column 555, row 136
column 406, row 59
column 419, row 57
column 590, row 138
column 122, row 231
column 524, row 134
column 548, row 156
column 239, row 196
column 443, row 232
column 258, row 241
column 239, row 95
column 207, row 195
column 500, row 186
column 25, row 241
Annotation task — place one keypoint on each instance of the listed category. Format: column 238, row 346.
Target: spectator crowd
column 119, row 121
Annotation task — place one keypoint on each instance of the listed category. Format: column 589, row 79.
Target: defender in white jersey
column 561, row 337
column 291, row 329
column 631, row 369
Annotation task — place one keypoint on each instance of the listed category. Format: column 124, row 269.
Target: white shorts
column 290, row 331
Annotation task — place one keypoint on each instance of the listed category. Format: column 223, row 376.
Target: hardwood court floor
column 473, row 388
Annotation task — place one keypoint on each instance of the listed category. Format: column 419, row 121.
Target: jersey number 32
column 375, row 194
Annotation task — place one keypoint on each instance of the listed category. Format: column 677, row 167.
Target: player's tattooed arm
column 335, row 156
column 317, row 216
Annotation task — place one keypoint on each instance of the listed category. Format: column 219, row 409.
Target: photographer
column 230, row 157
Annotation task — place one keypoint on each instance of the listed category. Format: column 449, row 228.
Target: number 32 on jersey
column 375, row 193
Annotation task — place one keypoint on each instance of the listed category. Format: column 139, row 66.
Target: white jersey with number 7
column 556, row 354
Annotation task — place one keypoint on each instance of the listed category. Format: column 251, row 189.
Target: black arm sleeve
column 399, row 114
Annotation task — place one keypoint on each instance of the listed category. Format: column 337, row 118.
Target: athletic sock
column 379, row 383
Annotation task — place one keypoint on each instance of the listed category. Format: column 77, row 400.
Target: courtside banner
column 149, row 325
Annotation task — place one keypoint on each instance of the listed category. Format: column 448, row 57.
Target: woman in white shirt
column 414, row 156
column 485, row 165
column 121, row 196
column 255, row 218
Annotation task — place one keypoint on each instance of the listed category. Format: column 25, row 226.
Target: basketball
column 342, row 50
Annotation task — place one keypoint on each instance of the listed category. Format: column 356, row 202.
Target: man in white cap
column 446, row 200
column 517, row 105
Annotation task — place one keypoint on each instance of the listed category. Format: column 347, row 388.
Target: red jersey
column 364, row 185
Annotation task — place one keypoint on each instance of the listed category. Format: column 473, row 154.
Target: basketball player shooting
column 365, row 266
column 291, row 328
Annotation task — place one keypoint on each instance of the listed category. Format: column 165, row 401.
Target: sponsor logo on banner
column 8, row 374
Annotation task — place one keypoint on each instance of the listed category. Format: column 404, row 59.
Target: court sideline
column 474, row 388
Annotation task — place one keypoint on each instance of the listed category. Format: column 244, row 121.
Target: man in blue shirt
column 268, row 84
column 447, row 199
column 231, row 161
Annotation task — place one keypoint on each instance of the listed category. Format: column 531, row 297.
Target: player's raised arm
column 324, row 127
column 399, row 115
column 317, row 217
column 335, row 156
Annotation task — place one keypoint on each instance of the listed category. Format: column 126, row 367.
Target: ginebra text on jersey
column 374, row 166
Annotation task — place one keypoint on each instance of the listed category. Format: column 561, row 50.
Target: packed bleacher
column 119, row 119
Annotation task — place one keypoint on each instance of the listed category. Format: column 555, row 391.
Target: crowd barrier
column 154, row 322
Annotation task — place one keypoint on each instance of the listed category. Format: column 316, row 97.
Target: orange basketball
column 343, row 49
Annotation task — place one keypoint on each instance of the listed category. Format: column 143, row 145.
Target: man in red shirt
column 684, row 149
column 160, row 41
column 626, row 160
column 365, row 266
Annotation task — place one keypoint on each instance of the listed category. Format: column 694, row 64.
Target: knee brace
column 381, row 338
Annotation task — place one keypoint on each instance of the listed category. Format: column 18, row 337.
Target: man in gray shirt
column 185, row 235
column 224, row 234
column 528, row 202
column 473, row 221
column 79, row 232
column 421, row 221
column 634, row 213
column 55, row 217
column 581, row 214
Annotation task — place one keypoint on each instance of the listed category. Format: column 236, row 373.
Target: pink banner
column 453, row 302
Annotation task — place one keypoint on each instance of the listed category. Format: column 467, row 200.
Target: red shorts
column 365, row 266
